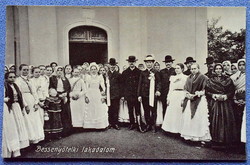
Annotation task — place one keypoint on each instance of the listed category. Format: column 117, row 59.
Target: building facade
column 72, row 35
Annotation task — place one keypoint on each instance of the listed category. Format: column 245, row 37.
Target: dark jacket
column 115, row 84
column 66, row 85
column 187, row 72
column 165, row 75
column 144, row 83
column 130, row 81
column 9, row 93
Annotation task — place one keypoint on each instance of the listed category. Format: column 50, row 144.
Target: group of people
column 47, row 102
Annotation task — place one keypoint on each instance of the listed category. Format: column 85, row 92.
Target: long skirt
column 123, row 116
column 36, row 132
column 196, row 128
column 159, row 118
column 243, row 127
column 21, row 125
column 96, row 112
column 223, row 125
column 66, row 119
column 77, row 110
column 10, row 138
column 54, row 124
column 172, row 121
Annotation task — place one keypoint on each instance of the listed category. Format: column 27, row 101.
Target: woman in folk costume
column 62, row 86
column 77, row 98
column 195, row 124
column 96, row 112
column 15, row 104
column 53, row 121
column 30, row 100
column 159, row 118
column 37, row 83
column 234, row 68
column 68, row 71
column 239, row 80
column 227, row 67
column 172, row 120
column 220, row 92
column 10, row 139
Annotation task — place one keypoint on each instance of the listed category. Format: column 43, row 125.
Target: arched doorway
column 87, row 44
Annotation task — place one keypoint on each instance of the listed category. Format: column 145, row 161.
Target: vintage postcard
column 154, row 83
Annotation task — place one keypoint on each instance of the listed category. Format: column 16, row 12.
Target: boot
column 140, row 124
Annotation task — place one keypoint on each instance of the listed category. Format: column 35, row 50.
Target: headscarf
column 56, row 68
column 239, row 78
column 218, row 64
column 93, row 64
column 227, row 61
column 235, row 65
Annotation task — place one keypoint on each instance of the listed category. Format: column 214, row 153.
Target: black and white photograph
column 127, row 83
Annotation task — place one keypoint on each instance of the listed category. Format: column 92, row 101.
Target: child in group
column 53, row 122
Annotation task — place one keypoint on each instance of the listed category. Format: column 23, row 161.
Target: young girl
column 53, row 122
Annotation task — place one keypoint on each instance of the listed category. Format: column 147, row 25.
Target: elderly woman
column 239, row 80
column 30, row 100
column 96, row 113
column 62, row 86
column 227, row 67
column 222, row 120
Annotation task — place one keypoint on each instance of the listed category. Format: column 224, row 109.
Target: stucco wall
column 180, row 32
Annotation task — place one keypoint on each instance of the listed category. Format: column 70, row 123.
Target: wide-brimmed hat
column 189, row 59
column 168, row 58
column 209, row 60
column 149, row 57
column 112, row 61
column 131, row 59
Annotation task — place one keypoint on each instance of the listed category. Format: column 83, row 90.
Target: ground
column 128, row 145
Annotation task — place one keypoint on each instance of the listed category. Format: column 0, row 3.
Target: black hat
column 112, row 61
column 189, row 59
column 209, row 60
column 149, row 57
column 131, row 59
column 168, row 58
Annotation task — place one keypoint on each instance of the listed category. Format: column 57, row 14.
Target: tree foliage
column 224, row 44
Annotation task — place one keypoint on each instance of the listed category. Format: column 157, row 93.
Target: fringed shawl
column 193, row 84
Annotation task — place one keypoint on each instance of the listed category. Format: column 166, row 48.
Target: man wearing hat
column 148, row 89
column 165, row 75
column 210, row 65
column 188, row 63
column 130, row 81
column 115, row 94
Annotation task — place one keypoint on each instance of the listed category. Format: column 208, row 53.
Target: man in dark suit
column 115, row 94
column 130, row 81
column 188, row 63
column 210, row 65
column 165, row 75
column 148, row 89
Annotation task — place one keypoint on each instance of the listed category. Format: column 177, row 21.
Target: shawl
column 220, row 85
column 192, row 85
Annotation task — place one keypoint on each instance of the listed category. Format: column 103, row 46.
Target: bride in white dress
column 172, row 119
column 96, row 112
